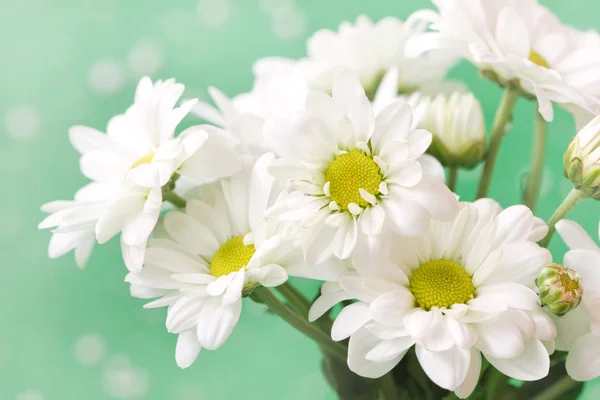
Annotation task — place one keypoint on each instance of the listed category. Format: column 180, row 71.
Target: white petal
column 465, row 389
column 388, row 350
column 499, row 338
column 583, row 361
column 350, row 319
column 404, row 216
column 216, row 322
column 575, row 236
column 275, row 275
column 532, row 364
column 435, row 197
column 371, row 221
column 133, row 255
column 345, row 238
column 390, row 308
column 512, row 34
column 361, row 343
column 215, row 159
column 187, row 348
column 325, row 302
column 447, row 369
column 505, row 294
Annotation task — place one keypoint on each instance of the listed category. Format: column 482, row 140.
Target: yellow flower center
column 147, row 159
column 231, row 257
column 441, row 283
column 348, row 173
column 536, row 58
column 569, row 284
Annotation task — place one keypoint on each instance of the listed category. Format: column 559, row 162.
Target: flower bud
column 559, row 289
column 458, row 129
column 582, row 159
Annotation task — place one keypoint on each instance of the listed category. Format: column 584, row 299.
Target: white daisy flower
column 458, row 128
column 519, row 43
column 354, row 174
column 369, row 50
column 138, row 159
column 73, row 222
column 461, row 290
column 214, row 254
column 579, row 330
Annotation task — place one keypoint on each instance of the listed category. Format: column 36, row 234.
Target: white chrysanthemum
column 214, row 253
column 352, row 174
column 458, row 128
column 579, row 330
column 132, row 164
column 369, row 50
column 516, row 41
column 461, row 290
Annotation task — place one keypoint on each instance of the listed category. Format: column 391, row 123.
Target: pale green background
column 67, row 334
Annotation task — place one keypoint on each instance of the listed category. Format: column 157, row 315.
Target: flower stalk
column 534, row 179
column 565, row 207
column 499, row 129
column 452, row 178
column 265, row 296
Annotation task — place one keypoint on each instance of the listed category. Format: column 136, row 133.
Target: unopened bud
column 458, row 129
column 559, row 289
column 582, row 160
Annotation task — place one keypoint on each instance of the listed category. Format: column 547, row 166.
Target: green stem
column 566, row 206
column 389, row 391
column 495, row 383
column 452, row 178
column 296, row 299
column 175, row 199
column 499, row 129
column 264, row 295
column 560, row 387
column 534, row 179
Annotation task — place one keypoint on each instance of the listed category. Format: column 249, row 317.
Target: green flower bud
column 559, row 289
column 458, row 129
column 582, row 160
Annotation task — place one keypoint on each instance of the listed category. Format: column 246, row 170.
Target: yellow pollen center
column 441, row 283
column 147, row 159
column 568, row 283
column 231, row 257
column 536, row 58
column 348, row 173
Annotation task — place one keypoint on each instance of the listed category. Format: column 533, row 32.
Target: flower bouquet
column 341, row 167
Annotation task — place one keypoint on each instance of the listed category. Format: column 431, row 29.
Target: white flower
column 216, row 252
column 74, row 222
column 521, row 42
column 579, row 330
column 134, row 162
column 582, row 159
column 368, row 50
column 461, row 290
column 458, row 127
column 354, row 174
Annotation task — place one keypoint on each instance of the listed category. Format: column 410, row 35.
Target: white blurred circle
column 145, row 58
column 89, row 349
column 123, row 380
column 30, row 395
column 289, row 21
column 213, row 12
column 105, row 76
column 22, row 123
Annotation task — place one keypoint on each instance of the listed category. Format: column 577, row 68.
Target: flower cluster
column 332, row 168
